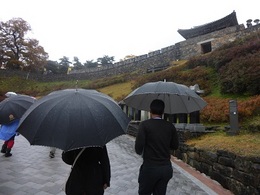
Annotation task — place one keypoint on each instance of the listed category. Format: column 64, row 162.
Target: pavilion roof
column 228, row 21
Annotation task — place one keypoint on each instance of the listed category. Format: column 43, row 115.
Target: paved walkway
column 30, row 171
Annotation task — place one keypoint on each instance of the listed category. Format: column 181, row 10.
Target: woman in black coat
column 91, row 172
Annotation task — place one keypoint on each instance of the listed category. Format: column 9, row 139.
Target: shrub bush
column 217, row 110
column 241, row 75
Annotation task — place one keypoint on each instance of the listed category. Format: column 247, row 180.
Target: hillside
column 230, row 72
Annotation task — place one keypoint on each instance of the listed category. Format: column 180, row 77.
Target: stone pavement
column 30, row 171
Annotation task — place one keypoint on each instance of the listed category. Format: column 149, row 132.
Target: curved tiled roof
column 228, row 21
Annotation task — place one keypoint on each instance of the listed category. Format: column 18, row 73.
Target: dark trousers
column 154, row 179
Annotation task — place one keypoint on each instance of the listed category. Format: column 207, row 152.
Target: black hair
column 157, row 107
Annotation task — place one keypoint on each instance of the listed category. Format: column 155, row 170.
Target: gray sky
column 91, row 29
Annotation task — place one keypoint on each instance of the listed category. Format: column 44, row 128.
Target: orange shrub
column 217, row 110
column 250, row 107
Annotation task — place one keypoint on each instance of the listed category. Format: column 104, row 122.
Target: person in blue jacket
column 8, row 133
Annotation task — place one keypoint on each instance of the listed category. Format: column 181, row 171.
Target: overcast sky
column 89, row 29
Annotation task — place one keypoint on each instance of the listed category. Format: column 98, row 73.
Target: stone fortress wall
column 160, row 59
column 153, row 61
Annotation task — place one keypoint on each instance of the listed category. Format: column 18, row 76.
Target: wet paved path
column 30, row 171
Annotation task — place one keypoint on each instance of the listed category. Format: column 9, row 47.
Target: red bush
column 217, row 110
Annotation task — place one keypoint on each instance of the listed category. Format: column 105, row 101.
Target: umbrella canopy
column 14, row 105
column 177, row 98
column 73, row 118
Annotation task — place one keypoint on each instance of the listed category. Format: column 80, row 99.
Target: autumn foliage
column 237, row 65
column 217, row 110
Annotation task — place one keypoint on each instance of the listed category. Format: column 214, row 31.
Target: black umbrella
column 73, row 118
column 15, row 105
column 178, row 98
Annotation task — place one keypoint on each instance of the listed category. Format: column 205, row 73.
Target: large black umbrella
column 15, row 105
column 177, row 98
column 73, row 118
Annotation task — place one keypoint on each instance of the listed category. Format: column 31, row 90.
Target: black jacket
column 91, row 171
column 154, row 141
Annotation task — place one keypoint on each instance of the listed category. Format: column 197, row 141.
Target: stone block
column 226, row 154
column 197, row 127
column 255, row 168
column 242, row 164
column 220, row 178
column 245, row 178
column 205, row 168
column 226, row 161
column 193, row 155
column 185, row 157
column 197, row 165
column 226, row 171
column 235, row 186
column 208, row 157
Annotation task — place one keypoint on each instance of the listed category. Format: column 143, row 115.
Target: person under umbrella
column 11, row 110
column 91, row 172
column 8, row 133
column 155, row 139
column 15, row 105
column 71, row 120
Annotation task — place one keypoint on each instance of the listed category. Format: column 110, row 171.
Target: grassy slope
column 117, row 91
column 245, row 144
